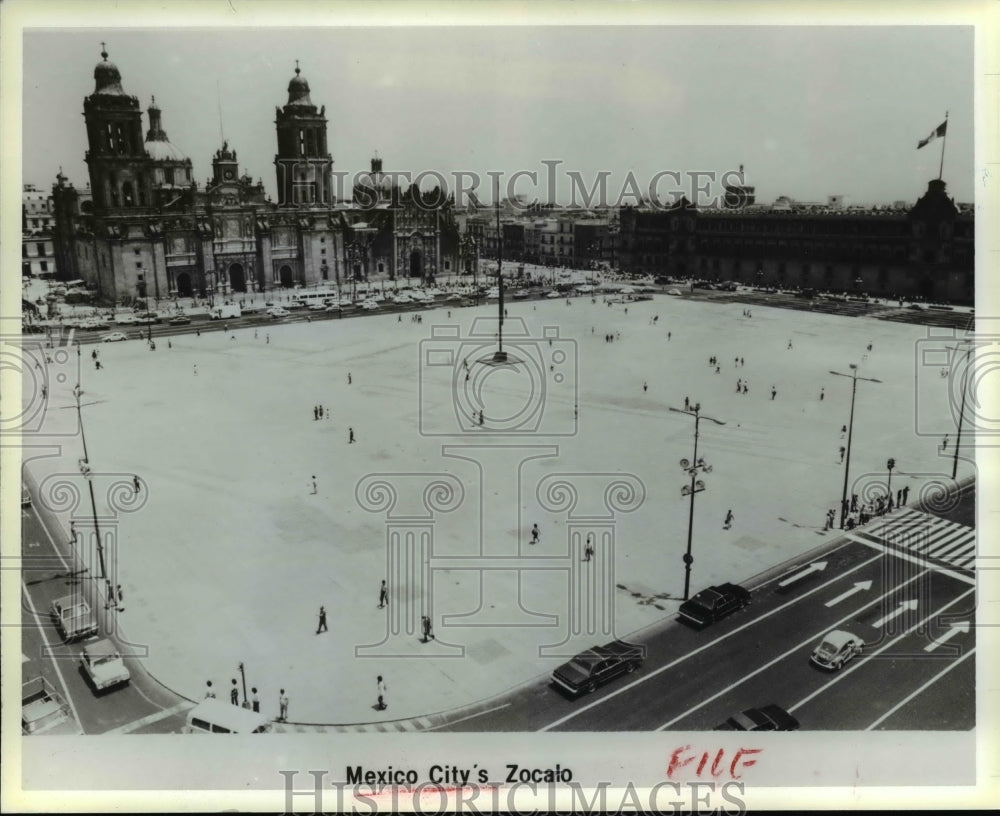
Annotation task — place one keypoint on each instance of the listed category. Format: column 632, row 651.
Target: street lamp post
column 693, row 468
column 850, row 433
column 85, row 463
column 890, row 465
column 243, row 676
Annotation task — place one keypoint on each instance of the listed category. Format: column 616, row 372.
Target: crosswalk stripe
column 927, row 536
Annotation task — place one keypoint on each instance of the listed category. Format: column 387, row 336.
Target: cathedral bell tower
column 303, row 164
column 120, row 173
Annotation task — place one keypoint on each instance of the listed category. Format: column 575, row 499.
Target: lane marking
column 779, row 658
column 151, row 718
column 847, row 672
column 816, row 566
column 471, row 716
column 860, row 586
column 904, row 606
column 920, row 690
column 922, row 562
column 962, row 627
column 709, row 645
column 55, row 663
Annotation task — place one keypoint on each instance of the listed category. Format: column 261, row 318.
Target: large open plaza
column 255, row 513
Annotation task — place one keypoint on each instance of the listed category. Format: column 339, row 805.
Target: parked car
column 454, row 296
column 522, row 293
column 675, row 292
column 766, row 718
column 43, row 709
column 836, row 649
column 103, row 664
column 277, row 311
column 552, row 295
column 369, row 305
column 595, row 667
column 179, row 320
column 713, row 604
column 333, row 307
column 73, row 617
column 114, row 337
column 316, row 307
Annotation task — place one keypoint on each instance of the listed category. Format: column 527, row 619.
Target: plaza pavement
column 229, row 555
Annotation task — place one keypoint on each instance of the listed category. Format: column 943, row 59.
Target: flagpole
column 943, row 140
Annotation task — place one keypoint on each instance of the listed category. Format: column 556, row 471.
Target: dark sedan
column 595, row 667
column 714, row 603
column 766, row 718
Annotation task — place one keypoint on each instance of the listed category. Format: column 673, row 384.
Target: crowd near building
column 145, row 228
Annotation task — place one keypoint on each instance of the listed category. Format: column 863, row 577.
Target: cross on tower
column 296, row 66
column 104, row 50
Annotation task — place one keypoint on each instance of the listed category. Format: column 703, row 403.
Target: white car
column 675, row 292
column 553, row 295
column 369, row 305
column 104, row 665
column 402, row 299
column 277, row 311
column 493, row 293
column 114, row 337
column 333, row 307
column 836, row 649
column 317, row 307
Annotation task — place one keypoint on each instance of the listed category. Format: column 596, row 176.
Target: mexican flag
column 938, row 132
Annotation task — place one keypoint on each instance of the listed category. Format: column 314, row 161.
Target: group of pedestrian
column 319, row 412
column 611, row 337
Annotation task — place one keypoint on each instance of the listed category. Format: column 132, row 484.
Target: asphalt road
column 917, row 671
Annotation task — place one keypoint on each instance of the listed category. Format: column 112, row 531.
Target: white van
column 216, row 717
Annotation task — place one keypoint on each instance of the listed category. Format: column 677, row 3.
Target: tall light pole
column 889, row 466
column 693, row 468
column 850, row 432
column 85, row 463
column 961, row 410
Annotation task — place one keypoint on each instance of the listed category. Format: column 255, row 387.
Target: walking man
column 348, row 377
column 728, row 523
column 843, row 450
column 234, row 693
column 350, row 436
column 381, row 689
column 588, row 549
column 944, row 443
column 282, row 706
column 322, row 620
column 255, row 703
column 774, row 393
column 121, row 597
column 425, row 627
column 535, row 533
column 822, row 393
column 314, row 485
column 383, row 596
column 906, row 495
column 135, row 484
column 645, row 386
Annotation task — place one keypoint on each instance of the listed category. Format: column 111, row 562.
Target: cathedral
column 148, row 230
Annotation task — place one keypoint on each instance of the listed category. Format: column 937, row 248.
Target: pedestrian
column 135, row 483
column 588, row 548
column 169, row 344
column 899, row 497
column 97, row 365
column 319, row 412
column 843, row 431
column 348, row 377
column 687, row 404
column 197, row 332
column 746, row 388
column 822, row 393
column 728, row 523
column 254, row 337
column 381, row 689
column 282, row 706
column 944, row 443
column 906, row 495
column 234, row 693
column 742, row 362
column 535, row 533
column 327, row 413
column 854, row 502
column 383, row 595
column 789, row 344
column 425, row 627
column 717, row 369
column 209, row 691
column 72, row 532
column 322, row 620
column 481, row 418
column 774, row 393
column 45, row 392
column 739, row 385
column 196, row 369
column 93, row 354
column 350, row 436
column 668, row 335
column 843, row 450
column 314, row 484
column 255, row 704
column 267, row 339
column 645, row 387
column 121, row 598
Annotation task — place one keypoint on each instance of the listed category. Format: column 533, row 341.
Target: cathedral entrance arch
column 285, row 276
column 184, row 285
column 237, row 280
column 416, row 264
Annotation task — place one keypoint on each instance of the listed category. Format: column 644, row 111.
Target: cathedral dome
column 107, row 79
column 157, row 144
column 298, row 89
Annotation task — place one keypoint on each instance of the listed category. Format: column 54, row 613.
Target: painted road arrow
column 961, row 627
column 860, row 586
column 903, row 606
column 816, row 566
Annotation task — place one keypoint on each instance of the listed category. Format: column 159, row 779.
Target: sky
column 809, row 111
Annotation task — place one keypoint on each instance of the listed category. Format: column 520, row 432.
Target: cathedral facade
column 149, row 231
